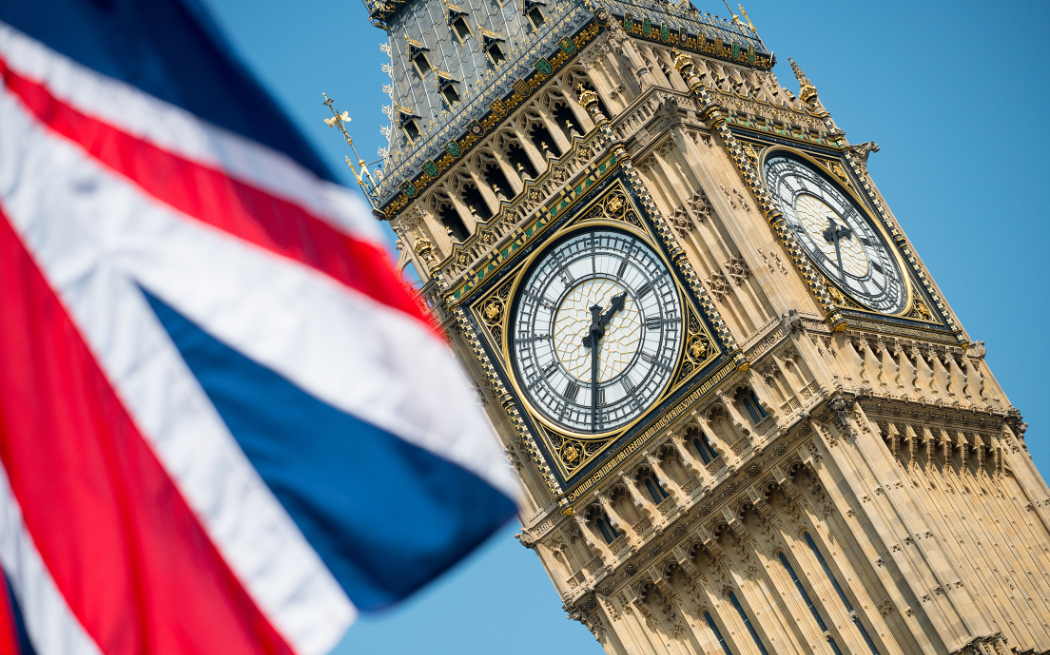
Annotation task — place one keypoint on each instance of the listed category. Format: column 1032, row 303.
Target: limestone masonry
column 744, row 418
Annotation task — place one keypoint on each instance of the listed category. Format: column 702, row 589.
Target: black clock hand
column 615, row 306
column 833, row 234
column 593, row 340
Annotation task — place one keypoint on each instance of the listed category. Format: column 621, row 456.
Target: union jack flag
column 225, row 424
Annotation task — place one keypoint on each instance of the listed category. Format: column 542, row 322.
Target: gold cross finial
column 752, row 27
column 340, row 120
column 736, row 19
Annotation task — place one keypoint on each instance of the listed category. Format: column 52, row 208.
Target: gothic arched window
column 475, row 203
column 838, row 589
column 702, row 446
column 747, row 622
column 649, row 481
column 605, row 526
column 718, row 633
column 750, row 403
column 809, row 603
column 543, row 140
column 567, row 121
column 449, row 217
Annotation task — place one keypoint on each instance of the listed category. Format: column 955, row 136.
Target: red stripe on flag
column 214, row 198
column 122, row 545
column 8, row 634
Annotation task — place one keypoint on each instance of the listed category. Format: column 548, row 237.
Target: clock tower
column 744, row 417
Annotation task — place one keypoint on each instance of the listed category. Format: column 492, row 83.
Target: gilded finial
column 683, row 63
column 498, row 192
column 587, row 98
column 367, row 183
column 736, row 19
column 807, row 91
column 752, row 27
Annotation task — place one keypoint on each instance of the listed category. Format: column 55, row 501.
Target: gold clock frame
column 556, row 438
column 917, row 302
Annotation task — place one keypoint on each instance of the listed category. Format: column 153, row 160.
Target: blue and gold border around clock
column 491, row 302
column 925, row 315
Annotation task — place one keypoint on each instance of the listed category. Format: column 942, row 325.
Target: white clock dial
column 837, row 235
column 604, row 286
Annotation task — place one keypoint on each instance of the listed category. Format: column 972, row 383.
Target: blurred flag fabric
column 225, row 425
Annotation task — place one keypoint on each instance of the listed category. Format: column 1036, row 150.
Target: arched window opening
column 702, row 445
column 652, row 486
column 809, row 603
column 475, row 203
column 842, row 595
column 747, row 623
column 601, row 521
column 567, row 121
column 520, row 161
column 624, row 505
column 543, row 141
column 718, row 633
column 449, row 217
column 749, row 401
column 498, row 182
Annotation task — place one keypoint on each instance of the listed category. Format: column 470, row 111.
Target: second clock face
column 596, row 331
column 837, row 235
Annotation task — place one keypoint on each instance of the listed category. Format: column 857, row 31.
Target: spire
column 807, row 91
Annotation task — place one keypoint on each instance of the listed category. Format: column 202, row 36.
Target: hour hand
column 615, row 306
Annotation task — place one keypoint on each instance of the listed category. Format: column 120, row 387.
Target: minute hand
column 593, row 340
column 833, row 234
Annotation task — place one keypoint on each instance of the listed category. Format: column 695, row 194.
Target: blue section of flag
column 172, row 50
column 385, row 516
column 25, row 646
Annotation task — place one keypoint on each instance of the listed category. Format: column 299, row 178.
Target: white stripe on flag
column 51, row 192
column 49, row 621
column 184, row 134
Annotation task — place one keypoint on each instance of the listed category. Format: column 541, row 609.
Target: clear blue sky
column 956, row 95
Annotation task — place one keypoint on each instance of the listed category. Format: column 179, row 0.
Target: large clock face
column 837, row 235
column 596, row 331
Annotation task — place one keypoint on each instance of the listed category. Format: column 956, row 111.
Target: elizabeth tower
column 744, row 417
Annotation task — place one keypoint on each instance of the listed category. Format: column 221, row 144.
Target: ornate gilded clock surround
column 920, row 316
column 748, row 146
column 577, row 460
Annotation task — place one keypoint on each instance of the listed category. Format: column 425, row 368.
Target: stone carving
column 737, row 269
column 717, row 285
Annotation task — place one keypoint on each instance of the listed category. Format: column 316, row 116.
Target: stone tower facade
column 744, row 418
